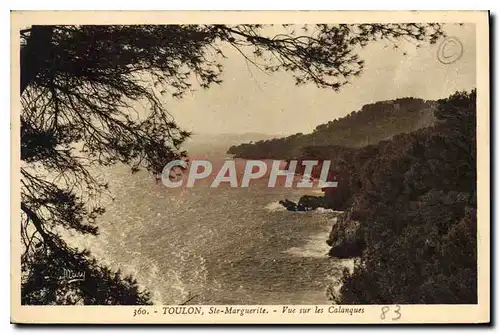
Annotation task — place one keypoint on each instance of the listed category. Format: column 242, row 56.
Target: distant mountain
column 373, row 123
column 217, row 144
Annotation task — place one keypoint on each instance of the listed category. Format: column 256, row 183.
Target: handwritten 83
column 391, row 312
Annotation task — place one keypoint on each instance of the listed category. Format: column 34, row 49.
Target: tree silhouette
column 79, row 85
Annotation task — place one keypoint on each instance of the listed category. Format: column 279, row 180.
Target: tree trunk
column 35, row 54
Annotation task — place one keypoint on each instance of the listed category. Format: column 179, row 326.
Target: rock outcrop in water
column 306, row 203
column 312, row 202
column 289, row 205
column 292, row 206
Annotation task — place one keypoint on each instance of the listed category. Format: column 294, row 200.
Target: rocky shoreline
column 346, row 237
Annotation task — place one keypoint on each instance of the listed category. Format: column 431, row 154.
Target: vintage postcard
column 250, row 167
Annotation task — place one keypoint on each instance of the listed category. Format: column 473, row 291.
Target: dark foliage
column 47, row 281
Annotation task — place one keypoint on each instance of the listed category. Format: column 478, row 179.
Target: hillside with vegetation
column 413, row 218
column 371, row 124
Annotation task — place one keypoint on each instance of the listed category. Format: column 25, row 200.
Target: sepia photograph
column 295, row 168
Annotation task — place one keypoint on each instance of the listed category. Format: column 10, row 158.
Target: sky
column 251, row 101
